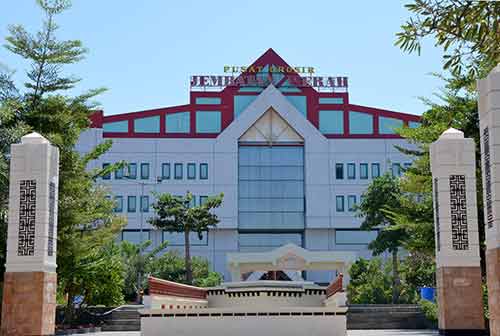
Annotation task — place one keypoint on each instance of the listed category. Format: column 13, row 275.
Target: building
column 290, row 152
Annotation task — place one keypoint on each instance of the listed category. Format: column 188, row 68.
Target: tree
column 468, row 31
column 176, row 214
column 383, row 194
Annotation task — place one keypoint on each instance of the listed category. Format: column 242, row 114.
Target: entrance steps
column 386, row 316
column 125, row 318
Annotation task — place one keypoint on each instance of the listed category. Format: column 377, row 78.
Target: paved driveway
column 349, row 333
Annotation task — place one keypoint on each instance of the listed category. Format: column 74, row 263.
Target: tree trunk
column 187, row 258
column 395, row 277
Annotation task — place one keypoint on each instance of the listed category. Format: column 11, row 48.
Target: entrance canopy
column 287, row 258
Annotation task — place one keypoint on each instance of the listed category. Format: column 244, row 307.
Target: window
column 241, row 103
column 131, row 171
column 351, row 171
column 363, row 171
column 116, row 127
column 144, row 203
column 331, row 122
column 145, row 171
column 255, row 242
column 118, row 204
column 203, row 171
column 203, row 199
column 147, row 125
column 360, row 123
column 339, row 171
column 208, row 100
column 339, row 200
column 191, row 171
column 299, row 102
column 208, row 121
column 119, row 173
column 131, row 204
column 108, row 175
column 375, row 170
column 165, row 171
column 351, row 202
column 330, row 100
column 354, row 237
column 178, row 167
column 135, row 237
column 396, row 169
column 389, row 125
column 414, row 124
column 178, row 122
column 177, row 238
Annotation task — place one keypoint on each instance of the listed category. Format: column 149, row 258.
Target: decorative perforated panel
column 458, row 208
column 27, row 214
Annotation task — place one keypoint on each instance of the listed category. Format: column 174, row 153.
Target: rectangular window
column 178, row 167
column 134, row 236
column 131, row 204
column 145, row 171
column 203, row 171
column 177, row 238
column 203, row 199
column 396, row 169
column 339, row 171
column 375, row 170
column 331, row 122
column 132, row 171
column 144, row 203
column 147, row 125
column 165, row 171
column 119, row 173
column 118, row 204
column 363, row 171
column 351, row 171
column 351, row 202
column 331, row 100
column 208, row 121
column 339, row 203
column 208, row 100
column 108, row 175
column 354, row 237
column 178, row 122
column 191, row 171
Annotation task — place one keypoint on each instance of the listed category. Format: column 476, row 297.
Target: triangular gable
column 271, row 128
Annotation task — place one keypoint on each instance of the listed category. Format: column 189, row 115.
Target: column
column 489, row 129
column 459, row 290
column 29, row 295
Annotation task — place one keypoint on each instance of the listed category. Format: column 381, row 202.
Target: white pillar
column 29, row 298
column 457, row 238
column 489, row 128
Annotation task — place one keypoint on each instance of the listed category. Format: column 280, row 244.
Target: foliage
column 136, row 260
column 177, row 214
column 170, row 266
column 468, row 32
column 430, row 310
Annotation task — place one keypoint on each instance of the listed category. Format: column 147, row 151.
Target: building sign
column 272, row 68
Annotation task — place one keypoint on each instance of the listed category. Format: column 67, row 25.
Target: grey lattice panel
column 27, row 216
column 52, row 206
column 436, row 202
column 487, row 177
column 458, row 208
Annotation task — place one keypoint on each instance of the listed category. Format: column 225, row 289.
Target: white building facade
column 291, row 160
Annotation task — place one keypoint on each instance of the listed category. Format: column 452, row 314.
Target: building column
column 459, row 290
column 489, row 129
column 29, row 295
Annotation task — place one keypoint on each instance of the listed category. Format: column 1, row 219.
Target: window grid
column 191, row 171
column 145, row 203
column 118, row 204
column 339, row 203
column 131, row 204
column 132, row 171
column 145, row 171
column 363, row 171
column 119, row 173
column 203, row 171
column 165, row 171
column 178, row 167
column 339, row 171
column 375, row 170
column 351, row 203
column 108, row 175
column 351, row 171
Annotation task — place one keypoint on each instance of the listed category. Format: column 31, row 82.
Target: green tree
column 177, row 214
column 370, row 282
column 468, row 31
column 383, row 194
column 136, row 259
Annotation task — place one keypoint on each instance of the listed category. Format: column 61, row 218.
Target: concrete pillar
column 29, row 295
column 489, row 129
column 459, row 289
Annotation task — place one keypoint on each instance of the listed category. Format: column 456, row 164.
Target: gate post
column 459, row 289
column 29, row 296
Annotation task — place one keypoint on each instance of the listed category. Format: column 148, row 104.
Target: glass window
column 208, row 121
column 147, row 125
column 360, row 123
column 299, row 102
column 241, row 103
column 145, row 171
column 208, row 100
column 165, row 171
column 119, row 173
column 375, row 170
column 331, row 100
column 116, row 127
column 144, row 203
column 339, row 171
column 339, row 200
column 388, row 125
column 118, row 204
column 203, row 171
column 254, row 242
column 177, row 238
column 178, row 167
column 134, row 236
column 414, row 124
column 108, row 175
column 354, row 237
column 131, row 171
column 331, row 122
column 351, row 171
column 351, row 202
column 131, row 204
column 363, row 171
column 178, row 122
column 191, row 171
column 396, row 169
column 203, row 199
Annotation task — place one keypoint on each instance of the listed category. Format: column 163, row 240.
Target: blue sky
column 145, row 51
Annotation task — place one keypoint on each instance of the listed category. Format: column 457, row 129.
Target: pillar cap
column 452, row 133
column 34, row 138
